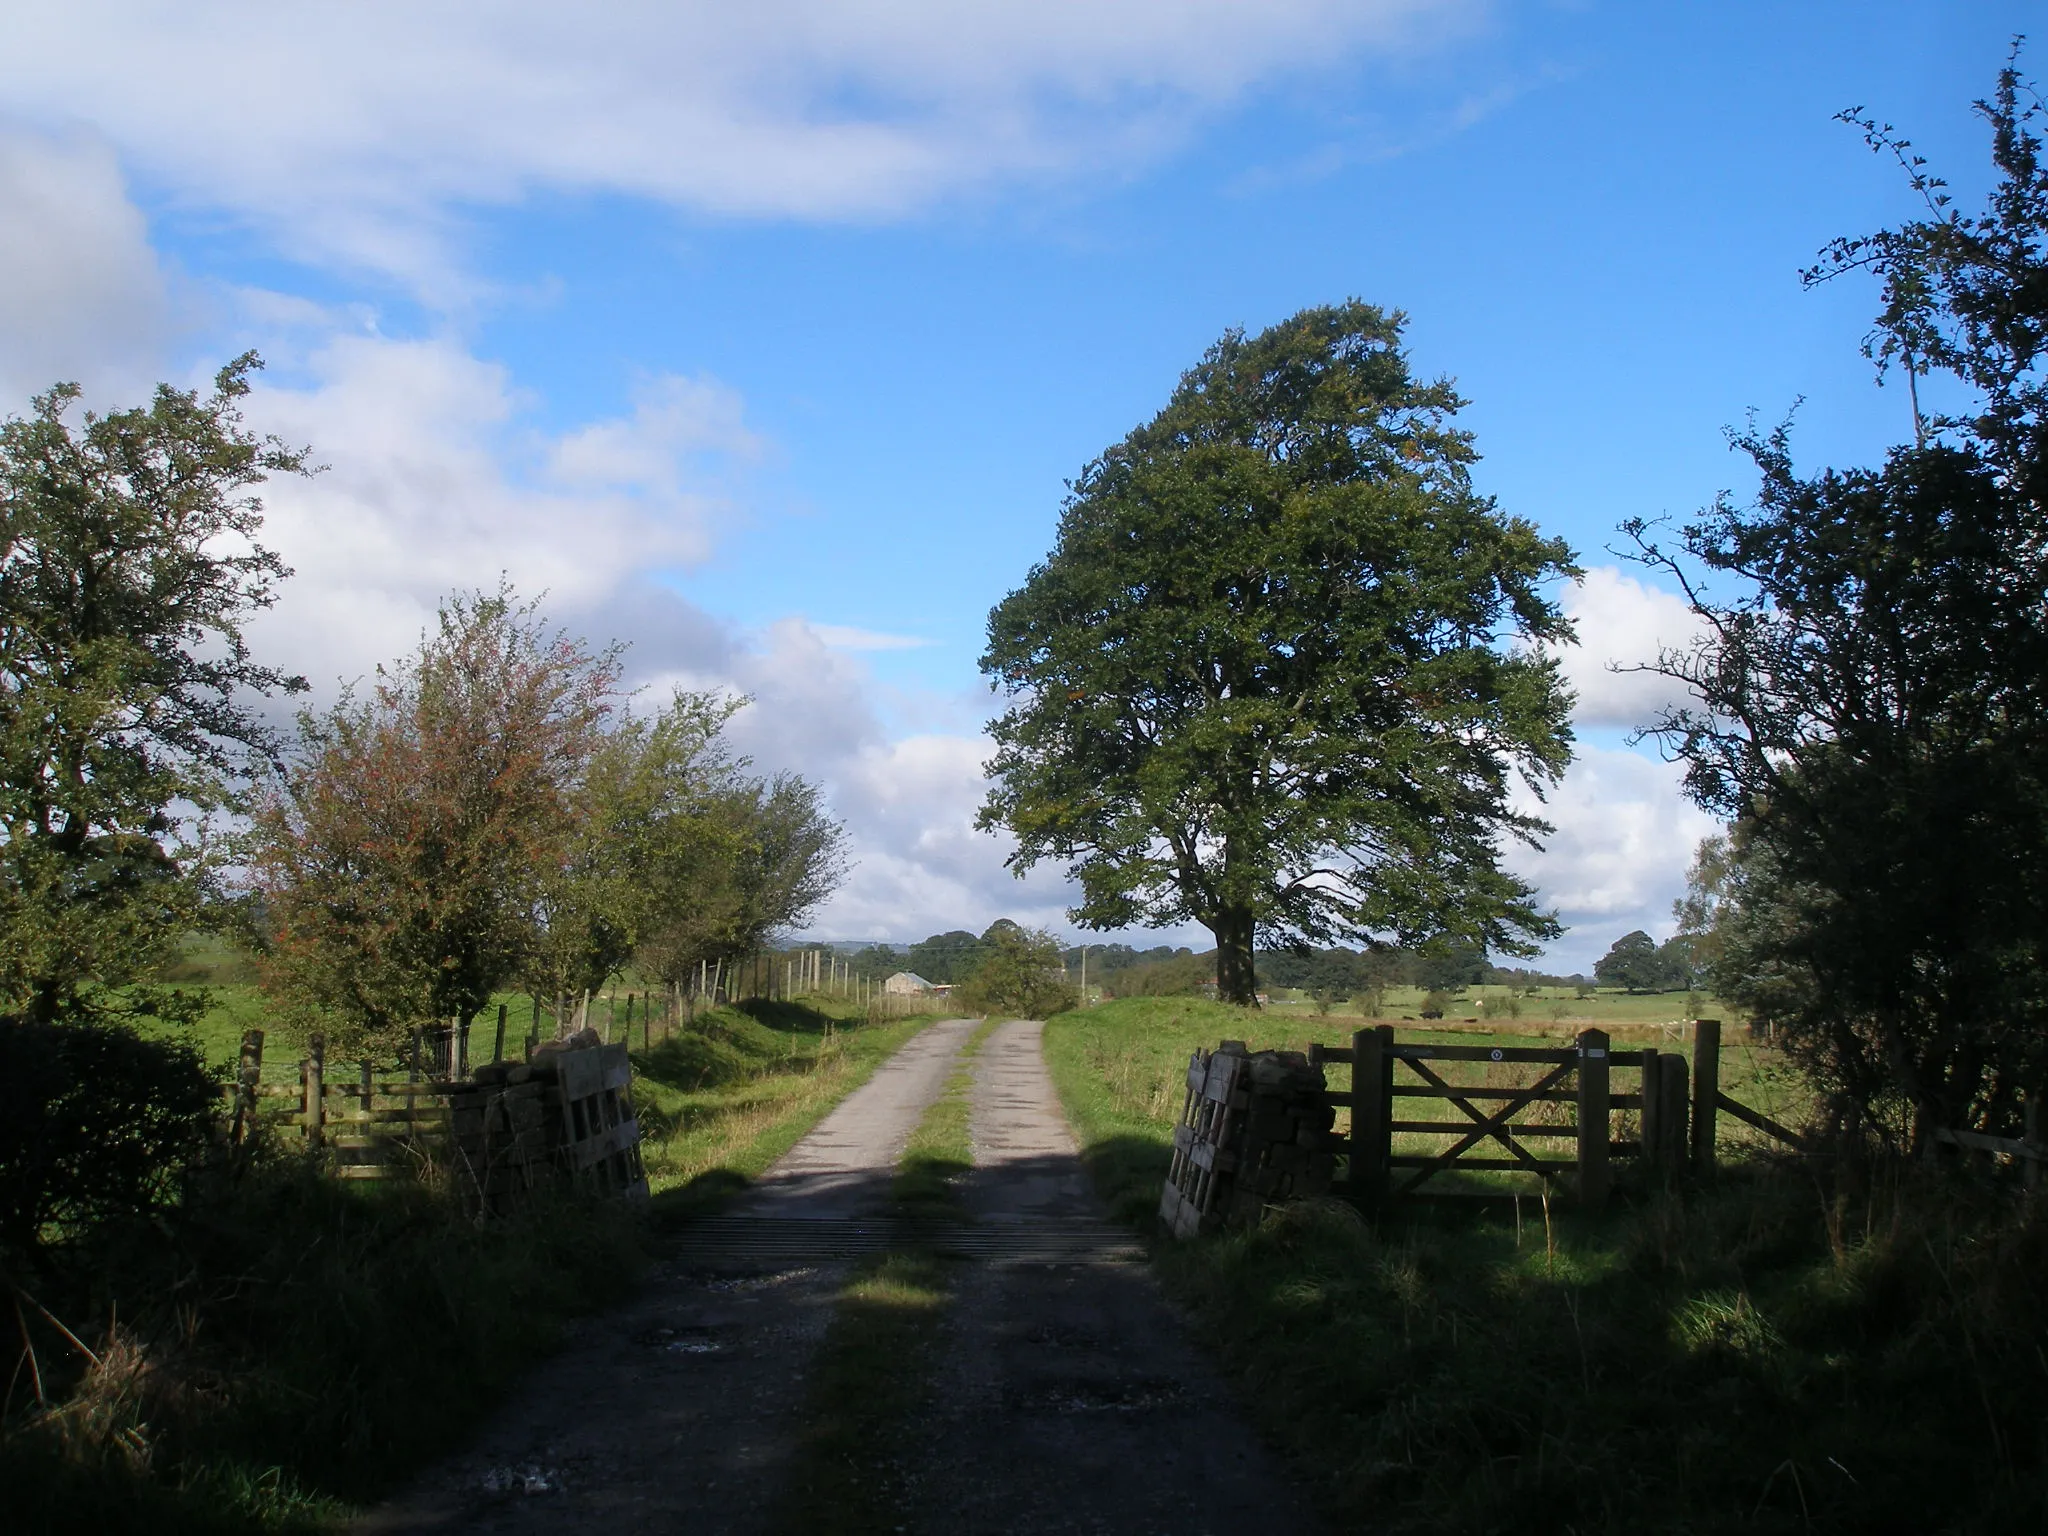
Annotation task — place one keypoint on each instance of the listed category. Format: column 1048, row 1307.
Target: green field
column 1547, row 1009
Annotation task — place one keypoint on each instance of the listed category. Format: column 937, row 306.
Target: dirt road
column 1066, row 1398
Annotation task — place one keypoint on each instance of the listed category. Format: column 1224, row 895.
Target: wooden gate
column 1491, row 1130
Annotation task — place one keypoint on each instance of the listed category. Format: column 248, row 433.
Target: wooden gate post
column 1371, row 1113
column 498, row 1045
column 1706, row 1093
column 1652, row 1115
column 248, row 1073
column 1593, row 1116
column 1671, row 1113
column 313, row 1082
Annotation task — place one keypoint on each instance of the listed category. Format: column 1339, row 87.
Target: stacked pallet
column 1255, row 1132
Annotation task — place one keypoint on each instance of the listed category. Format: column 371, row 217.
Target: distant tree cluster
column 1018, row 975
column 1638, row 963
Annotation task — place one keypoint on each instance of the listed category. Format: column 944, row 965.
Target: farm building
column 905, row 983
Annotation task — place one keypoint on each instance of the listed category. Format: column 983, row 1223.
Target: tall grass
column 1782, row 1352
column 284, row 1347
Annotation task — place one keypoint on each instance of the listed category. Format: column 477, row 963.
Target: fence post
column 461, row 1049
column 313, row 1079
column 1593, row 1116
column 498, row 1045
column 1671, row 1107
column 1706, row 1093
column 1652, row 1114
column 248, row 1073
column 1369, row 1117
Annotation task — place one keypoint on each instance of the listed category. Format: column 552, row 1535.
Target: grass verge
column 721, row 1101
column 1776, row 1354
column 874, row 1368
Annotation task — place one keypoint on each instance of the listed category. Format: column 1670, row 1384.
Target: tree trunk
column 1235, row 981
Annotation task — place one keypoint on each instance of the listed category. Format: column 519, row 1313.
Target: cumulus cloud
column 919, row 864
column 436, row 485
column 82, row 296
column 1622, row 622
column 1624, row 840
column 352, row 131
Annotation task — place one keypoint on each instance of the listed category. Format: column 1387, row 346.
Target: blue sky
column 765, row 339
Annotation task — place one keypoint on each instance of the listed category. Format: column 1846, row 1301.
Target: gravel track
column 1066, row 1398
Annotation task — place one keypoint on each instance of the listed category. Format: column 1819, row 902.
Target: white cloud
column 1622, row 622
column 82, row 296
column 353, row 131
column 1624, row 840
column 909, row 804
column 423, row 497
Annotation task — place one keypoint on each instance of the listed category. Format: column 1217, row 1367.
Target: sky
column 766, row 338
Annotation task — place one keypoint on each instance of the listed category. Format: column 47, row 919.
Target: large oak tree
column 1281, row 670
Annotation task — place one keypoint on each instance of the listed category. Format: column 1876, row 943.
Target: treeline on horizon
column 1165, row 970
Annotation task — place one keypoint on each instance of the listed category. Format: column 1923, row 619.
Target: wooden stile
column 248, row 1080
column 1671, row 1086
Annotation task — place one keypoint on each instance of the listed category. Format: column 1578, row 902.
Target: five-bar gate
column 1493, row 1129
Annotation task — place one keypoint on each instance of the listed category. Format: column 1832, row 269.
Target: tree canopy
column 1638, row 963
column 400, row 857
column 1018, row 975
column 1872, row 686
column 129, row 564
column 1277, row 675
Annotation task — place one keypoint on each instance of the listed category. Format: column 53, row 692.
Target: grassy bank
column 1774, row 1355
column 722, row 1100
column 284, row 1347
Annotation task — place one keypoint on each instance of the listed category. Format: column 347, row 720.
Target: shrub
column 1021, row 976
column 95, row 1123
